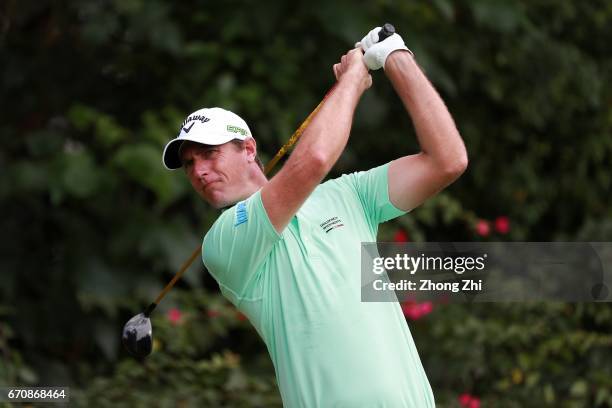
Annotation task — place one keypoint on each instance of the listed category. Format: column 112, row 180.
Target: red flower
column 415, row 311
column 411, row 312
column 426, row 308
column 240, row 316
column 469, row 401
column 483, row 228
column 400, row 236
column 174, row 315
column 464, row 399
column 212, row 313
column 502, row 224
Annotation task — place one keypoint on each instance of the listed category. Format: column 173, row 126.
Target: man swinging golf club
column 285, row 250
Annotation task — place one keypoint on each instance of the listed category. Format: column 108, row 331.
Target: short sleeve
column 372, row 189
column 237, row 245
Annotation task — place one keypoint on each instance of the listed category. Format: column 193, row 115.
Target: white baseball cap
column 209, row 126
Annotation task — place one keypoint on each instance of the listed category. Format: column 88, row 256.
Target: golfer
column 285, row 251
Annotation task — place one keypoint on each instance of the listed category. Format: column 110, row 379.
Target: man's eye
column 210, row 152
column 187, row 163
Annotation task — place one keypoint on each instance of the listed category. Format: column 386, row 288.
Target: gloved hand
column 376, row 52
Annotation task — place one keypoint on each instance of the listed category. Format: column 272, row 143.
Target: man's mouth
column 207, row 185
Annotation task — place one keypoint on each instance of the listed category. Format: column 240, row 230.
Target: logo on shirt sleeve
column 241, row 214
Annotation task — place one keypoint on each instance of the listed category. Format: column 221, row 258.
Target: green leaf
column 142, row 163
column 81, row 177
column 579, row 388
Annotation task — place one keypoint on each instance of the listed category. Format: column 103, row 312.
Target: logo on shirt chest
column 330, row 224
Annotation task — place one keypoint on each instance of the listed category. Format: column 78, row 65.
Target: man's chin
column 218, row 202
column 215, row 203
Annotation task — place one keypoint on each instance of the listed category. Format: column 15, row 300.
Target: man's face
column 217, row 173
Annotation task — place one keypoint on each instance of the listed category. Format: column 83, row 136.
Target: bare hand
column 353, row 68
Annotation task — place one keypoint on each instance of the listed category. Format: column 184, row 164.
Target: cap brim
column 171, row 156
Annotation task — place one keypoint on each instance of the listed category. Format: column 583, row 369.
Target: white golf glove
column 376, row 52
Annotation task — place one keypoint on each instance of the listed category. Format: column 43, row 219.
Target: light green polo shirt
column 301, row 291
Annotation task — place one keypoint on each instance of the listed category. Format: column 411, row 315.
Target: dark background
column 93, row 226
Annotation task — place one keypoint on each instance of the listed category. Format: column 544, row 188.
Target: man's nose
column 201, row 167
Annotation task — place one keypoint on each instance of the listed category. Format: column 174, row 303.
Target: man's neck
column 257, row 181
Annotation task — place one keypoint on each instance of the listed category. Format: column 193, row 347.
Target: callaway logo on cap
column 210, row 126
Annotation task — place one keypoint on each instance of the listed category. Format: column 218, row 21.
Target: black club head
column 137, row 336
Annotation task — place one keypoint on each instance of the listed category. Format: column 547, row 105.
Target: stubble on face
column 215, row 172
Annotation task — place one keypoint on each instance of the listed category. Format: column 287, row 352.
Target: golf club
column 137, row 334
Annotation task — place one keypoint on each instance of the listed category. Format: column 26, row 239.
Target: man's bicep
column 372, row 188
column 285, row 193
column 415, row 178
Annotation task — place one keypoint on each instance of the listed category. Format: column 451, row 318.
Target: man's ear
column 251, row 148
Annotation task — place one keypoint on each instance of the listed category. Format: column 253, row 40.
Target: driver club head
column 137, row 336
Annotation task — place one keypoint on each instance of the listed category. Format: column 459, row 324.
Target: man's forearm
column 321, row 144
column 435, row 128
column 327, row 133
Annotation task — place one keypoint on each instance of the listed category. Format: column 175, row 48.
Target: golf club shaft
column 178, row 275
column 294, row 137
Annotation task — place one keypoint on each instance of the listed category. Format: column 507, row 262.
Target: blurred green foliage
column 94, row 226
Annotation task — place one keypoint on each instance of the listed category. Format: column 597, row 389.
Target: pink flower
column 483, row 228
column 415, row 311
column 400, row 236
column 426, row 308
column 174, row 315
column 469, row 401
column 412, row 313
column 502, row 224
column 464, row 399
